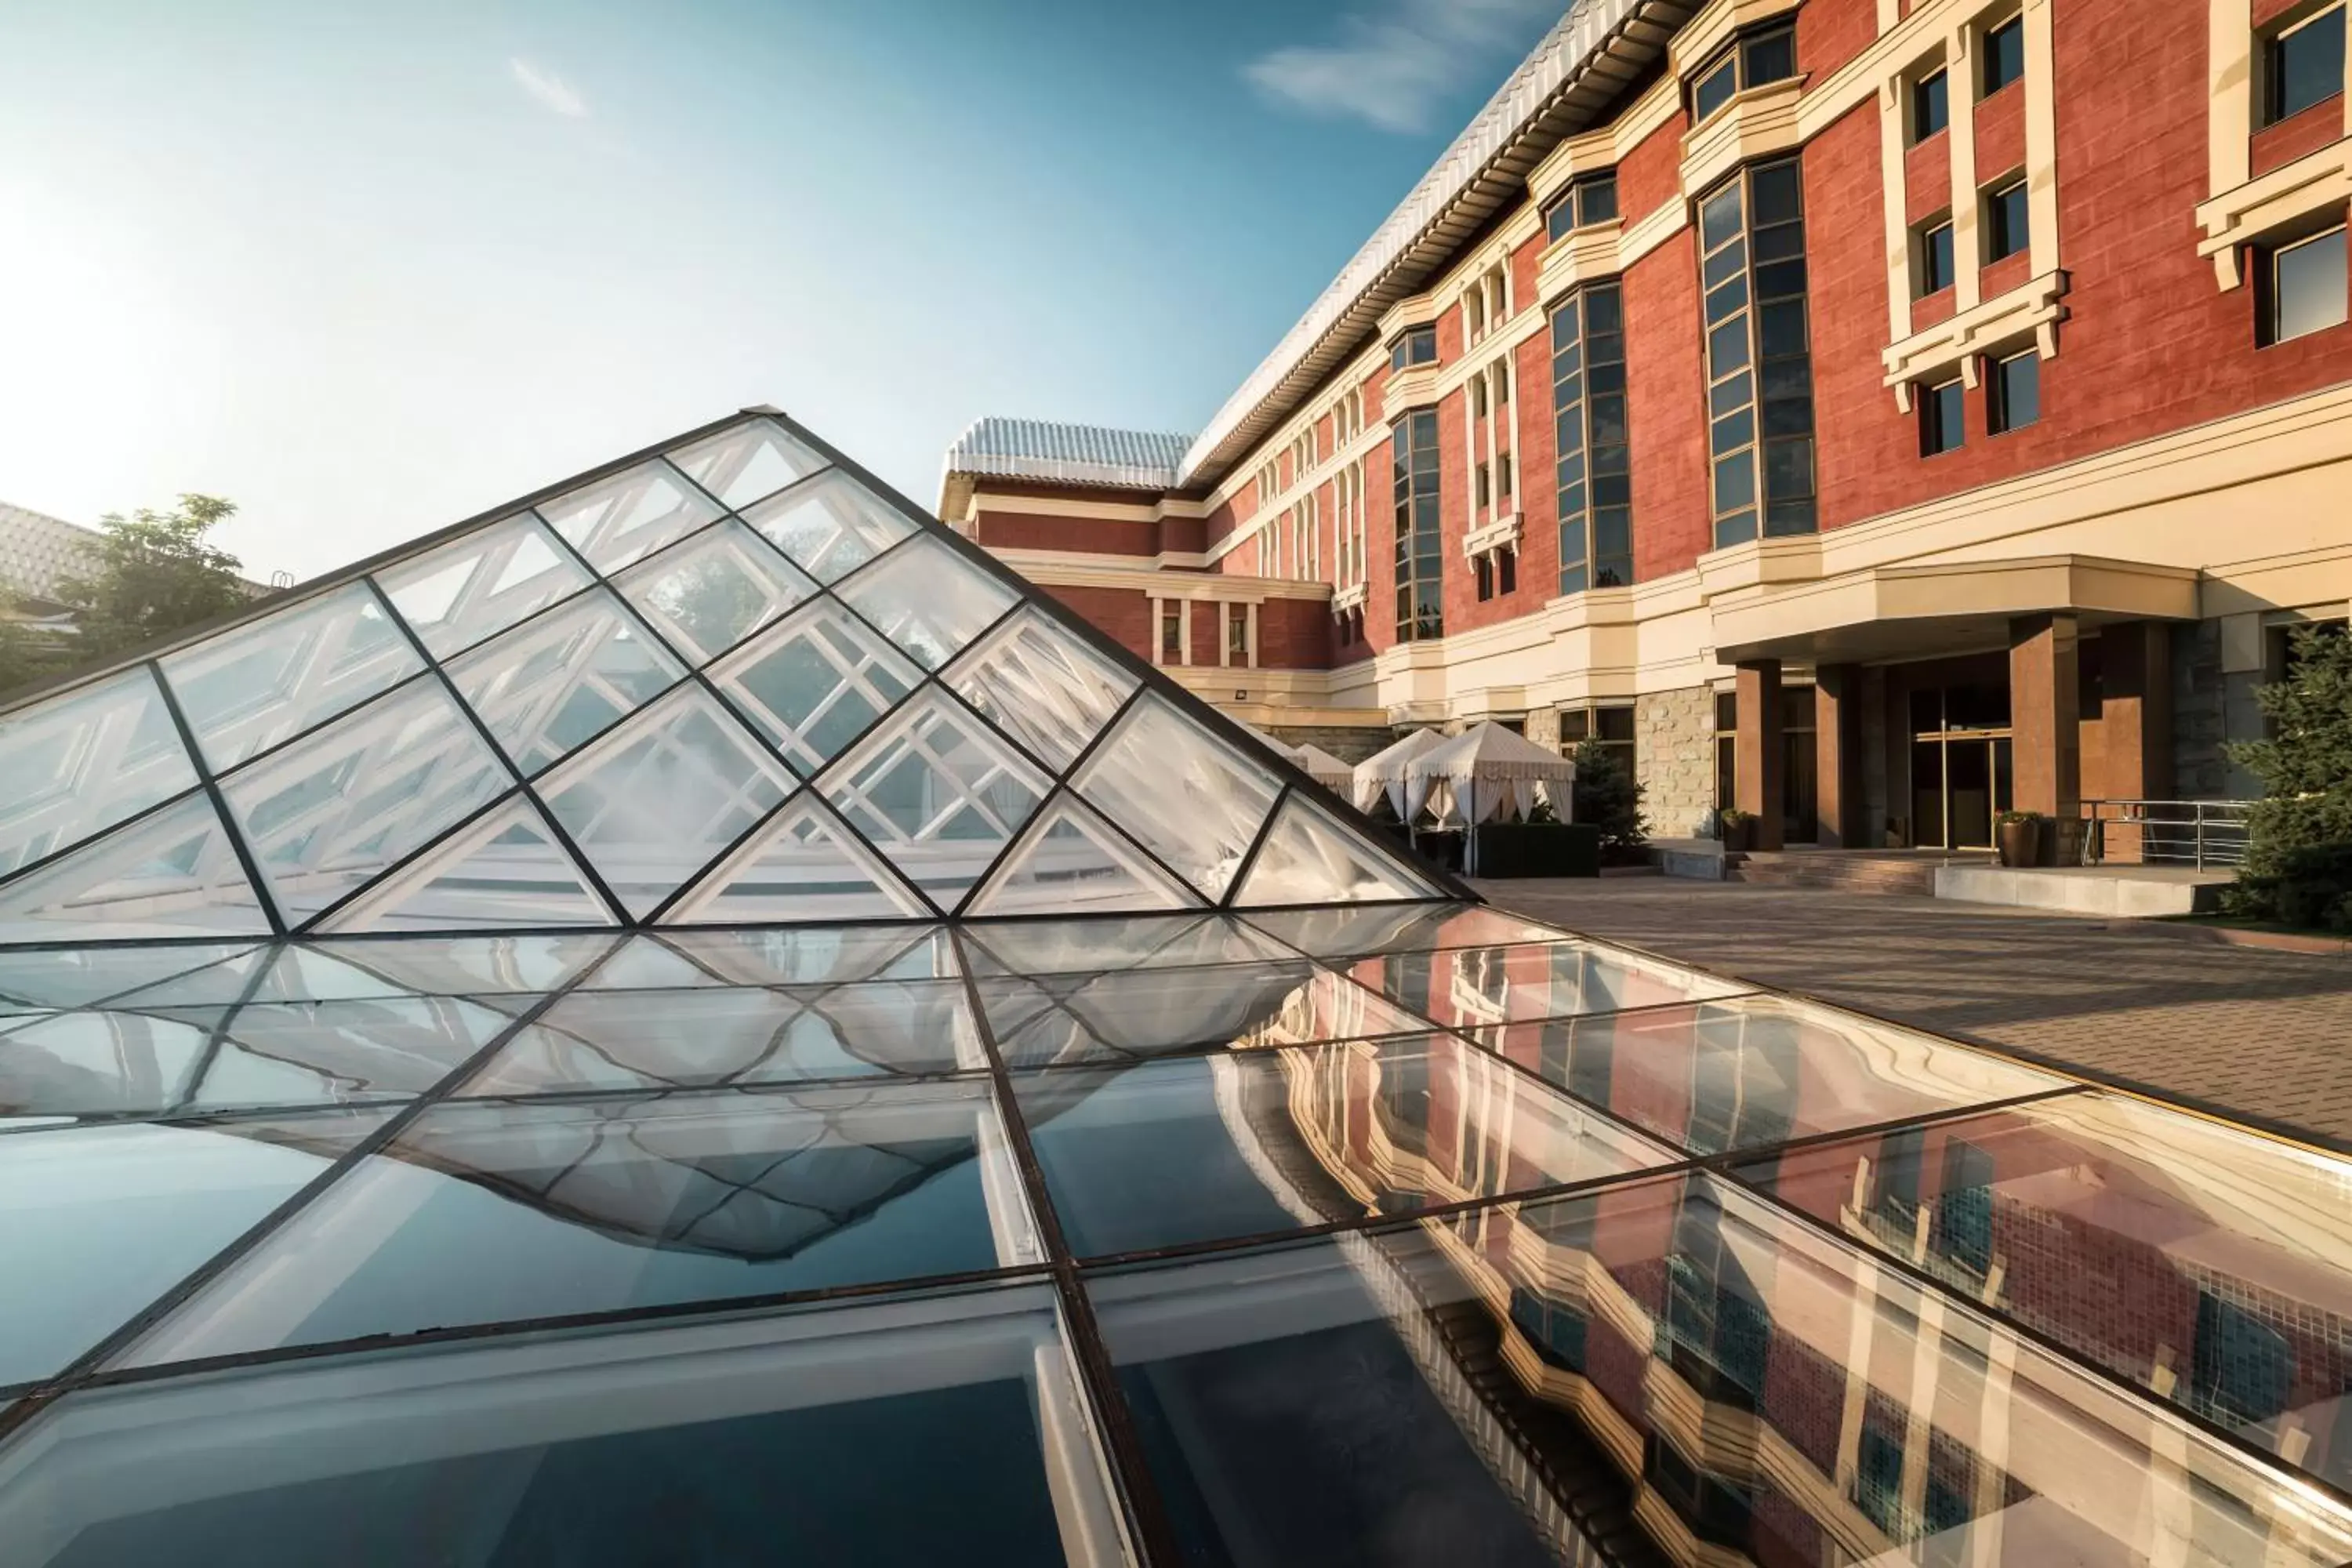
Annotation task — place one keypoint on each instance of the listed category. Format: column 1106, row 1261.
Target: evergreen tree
column 148, row 575
column 1607, row 797
column 2305, row 768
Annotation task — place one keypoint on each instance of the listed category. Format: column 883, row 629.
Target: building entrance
column 1960, row 764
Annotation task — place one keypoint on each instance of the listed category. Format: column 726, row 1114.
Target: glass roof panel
column 2210, row 1265
column 1185, row 795
column 72, row 976
column 257, row 684
column 476, row 587
column 329, row 814
column 326, row 1053
column 506, row 869
column 1309, row 858
column 486, row 1210
column 1482, row 989
column 1040, row 685
column 710, row 592
column 628, row 517
column 1346, row 932
column 1070, row 861
column 937, row 793
column 558, row 682
column 736, row 1035
column 799, row 865
column 927, row 599
column 96, row 1223
column 1193, row 1149
column 747, row 461
column 816, row 682
column 605, row 1450
column 1063, row 947
column 658, row 799
column 830, row 526
column 81, row 761
column 807, row 955
column 173, row 872
column 450, row 967
column 1754, row 1070
column 97, row 1063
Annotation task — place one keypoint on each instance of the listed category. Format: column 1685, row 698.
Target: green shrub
column 2305, row 768
column 1607, row 797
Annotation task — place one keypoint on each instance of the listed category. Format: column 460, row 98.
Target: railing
column 2206, row 834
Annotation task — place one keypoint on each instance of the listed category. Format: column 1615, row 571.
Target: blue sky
column 368, row 269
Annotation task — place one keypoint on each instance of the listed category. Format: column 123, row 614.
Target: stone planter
column 2020, row 842
column 1739, row 837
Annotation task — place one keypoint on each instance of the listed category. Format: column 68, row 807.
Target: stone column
column 2135, row 724
column 1837, row 754
column 2045, row 715
column 1763, row 755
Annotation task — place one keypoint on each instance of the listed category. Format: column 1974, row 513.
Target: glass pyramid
column 698, row 1019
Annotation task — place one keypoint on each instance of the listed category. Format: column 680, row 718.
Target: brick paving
column 2263, row 1036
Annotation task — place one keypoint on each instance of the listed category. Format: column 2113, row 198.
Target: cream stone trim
column 1758, row 122
column 1420, row 310
column 2230, row 91
column 1667, row 219
column 1350, row 598
column 1408, row 390
column 2243, row 215
column 1060, row 571
column 1960, row 145
column 1503, row 534
column 1579, row 257
column 984, row 501
column 1098, row 560
column 1894, row 175
column 2041, row 87
column 1703, row 35
column 1608, row 145
column 1926, row 358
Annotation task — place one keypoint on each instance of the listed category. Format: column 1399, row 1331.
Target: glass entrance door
column 1959, row 767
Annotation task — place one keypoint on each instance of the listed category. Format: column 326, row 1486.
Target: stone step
column 1834, row 872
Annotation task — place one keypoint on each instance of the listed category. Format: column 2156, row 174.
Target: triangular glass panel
column 478, row 586
column 1041, row 686
column 1310, row 859
column 1186, row 795
column 1073, row 861
column 937, row 791
column 280, row 971
column 81, row 761
column 174, row 873
column 831, row 525
column 474, row 965
column 746, row 461
column 927, row 599
column 553, row 684
column 327, row 817
column 75, row 976
column 802, row 865
column 659, row 799
column 504, row 869
column 708, row 592
column 816, row 682
column 629, row 516
column 260, row 683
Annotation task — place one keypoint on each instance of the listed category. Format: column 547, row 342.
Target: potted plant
column 1738, row 831
column 2018, row 836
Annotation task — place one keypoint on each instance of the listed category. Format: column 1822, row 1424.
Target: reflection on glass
column 1063, row 947
column 927, row 599
column 937, row 793
column 83, row 760
column 1191, row 799
column 477, row 586
column 1212, row 1148
column 504, row 868
column 71, row 976
column 1041, row 685
column 712, row 590
column 816, row 682
column 1740, row 1074
column 789, row 1437
column 2211, row 1267
column 805, row 956
column 736, row 1034
column 487, row 1211
column 173, row 872
column 800, row 865
column 1130, row 1014
column 1070, row 861
column 96, row 1063
column 629, row 516
column 321, row 1053
column 830, row 526
column 96, row 1223
column 1345, row 933
column 327, row 815
column 744, row 462
column 556, row 683
column 256, row 685
column 1481, row 989
column 335, row 971
column 665, row 794
column 1309, row 858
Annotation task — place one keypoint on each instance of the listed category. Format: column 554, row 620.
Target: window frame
column 1933, row 427
column 1989, row 58
column 1568, row 212
column 1996, row 225
column 1999, row 412
column 1941, row 79
column 1579, row 465
column 2271, row 109
column 2271, row 298
column 1739, row 55
column 1742, row 400
column 1923, row 255
column 1417, row 462
column 1403, row 349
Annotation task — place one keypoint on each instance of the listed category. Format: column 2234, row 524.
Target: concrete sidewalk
column 2266, row 1037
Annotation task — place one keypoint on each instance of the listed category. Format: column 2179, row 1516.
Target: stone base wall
column 1673, row 756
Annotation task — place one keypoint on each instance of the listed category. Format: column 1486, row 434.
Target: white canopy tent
column 1326, row 770
column 1387, row 770
column 1483, row 773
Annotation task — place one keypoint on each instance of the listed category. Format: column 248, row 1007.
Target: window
column 1936, row 270
column 1931, row 106
column 1766, row 55
column 1503, row 491
column 1611, row 726
column 1506, row 571
column 2303, row 288
column 1484, row 495
column 1417, row 346
column 1759, row 364
column 1595, row 465
column 2004, row 56
column 1237, row 638
column 1421, row 550
column 2006, row 223
column 1591, row 199
column 2013, row 392
column 1172, row 632
column 1942, row 419
column 1482, row 569
column 1714, row 88
column 2303, row 65
column 1727, row 749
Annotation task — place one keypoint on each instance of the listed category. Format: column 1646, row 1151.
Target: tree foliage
column 148, row 575
column 1607, row 797
column 2305, row 768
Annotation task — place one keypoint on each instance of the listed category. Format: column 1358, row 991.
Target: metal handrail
column 2206, row 834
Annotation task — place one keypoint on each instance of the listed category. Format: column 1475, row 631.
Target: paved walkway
column 2263, row 1036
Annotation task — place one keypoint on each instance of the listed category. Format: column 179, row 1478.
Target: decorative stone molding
column 1350, row 598
column 2033, row 308
column 2246, row 213
column 1715, row 26
column 1503, row 534
column 1578, row 257
column 1758, row 122
column 1409, row 389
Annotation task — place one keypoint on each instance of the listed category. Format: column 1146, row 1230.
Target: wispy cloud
column 1397, row 62
column 548, row 90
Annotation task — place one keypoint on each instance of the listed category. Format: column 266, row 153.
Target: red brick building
column 1880, row 413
